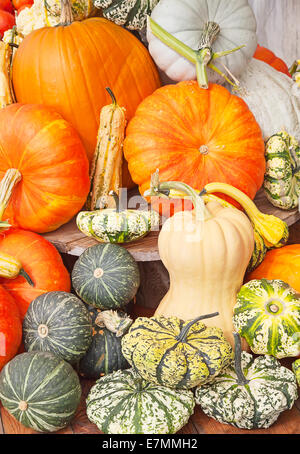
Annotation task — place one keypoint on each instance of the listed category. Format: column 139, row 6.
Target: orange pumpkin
column 68, row 67
column 10, row 328
column 40, row 260
column 195, row 136
column 53, row 167
column 283, row 263
column 266, row 55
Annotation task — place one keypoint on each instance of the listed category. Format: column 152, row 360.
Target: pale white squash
column 185, row 19
column 273, row 98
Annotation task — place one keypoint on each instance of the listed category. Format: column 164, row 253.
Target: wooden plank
column 69, row 240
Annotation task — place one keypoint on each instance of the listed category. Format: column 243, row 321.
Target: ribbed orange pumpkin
column 283, row 264
column 266, row 55
column 48, row 153
column 68, row 67
column 195, row 136
column 40, row 260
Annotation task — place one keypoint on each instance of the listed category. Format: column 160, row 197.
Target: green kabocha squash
column 250, row 394
column 124, row 403
column 282, row 178
column 130, row 13
column 58, row 322
column 267, row 315
column 40, row 390
column 105, row 352
column 296, row 370
column 176, row 353
column 106, row 276
column 117, row 225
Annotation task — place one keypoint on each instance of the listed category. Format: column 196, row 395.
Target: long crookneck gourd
column 206, row 252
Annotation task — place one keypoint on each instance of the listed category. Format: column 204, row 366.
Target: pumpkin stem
column 111, row 94
column 26, row 276
column 117, row 201
column 238, row 360
column 294, row 67
column 184, row 332
column 8, row 182
column 201, row 57
column 66, row 15
column 114, row 321
column 273, row 230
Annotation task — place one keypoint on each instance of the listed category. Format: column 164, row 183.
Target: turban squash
column 266, row 55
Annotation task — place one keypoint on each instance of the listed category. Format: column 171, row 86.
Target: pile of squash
column 199, row 148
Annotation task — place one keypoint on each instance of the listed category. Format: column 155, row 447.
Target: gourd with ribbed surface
column 124, row 403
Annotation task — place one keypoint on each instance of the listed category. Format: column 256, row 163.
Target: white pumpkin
column 186, row 19
column 273, row 98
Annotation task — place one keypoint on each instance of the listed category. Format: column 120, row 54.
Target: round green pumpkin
column 40, row 390
column 106, row 276
column 176, row 353
column 267, row 315
column 58, row 322
column 105, row 352
column 124, row 403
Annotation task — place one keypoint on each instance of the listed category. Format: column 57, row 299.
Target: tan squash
column 6, row 93
column 106, row 167
column 206, row 252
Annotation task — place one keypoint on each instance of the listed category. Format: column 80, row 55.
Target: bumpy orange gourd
column 283, row 264
column 10, row 328
column 195, row 136
column 40, row 260
column 53, row 171
column 266, row 55
column 69, row 66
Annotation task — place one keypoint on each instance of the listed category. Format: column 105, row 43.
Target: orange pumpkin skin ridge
column 10, row 328
column 51, row 158
column 173, row 123
column 84, row 57
column 40, row 260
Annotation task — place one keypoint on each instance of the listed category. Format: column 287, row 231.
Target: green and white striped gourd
column 130, row 13
column 40, row 390
column 106, row 276
column 282, row 178
column 58, row 322
column 176, row 353
column 105, row 352
column 296, row 370
column 259, row 252
column 250, row 394
column 267, row 315
column 124, row 403
column 116, row 225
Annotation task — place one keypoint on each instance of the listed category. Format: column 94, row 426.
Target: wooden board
column 69, row 240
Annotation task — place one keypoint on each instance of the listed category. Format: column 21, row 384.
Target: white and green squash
column 106, row 276
column 58, row 322
column 250, row 394
column 267, row 315
column 282, row 178
column 296, row 370
column 40, row 390
column 124, row 403
column 176, row 353
column 132, row 14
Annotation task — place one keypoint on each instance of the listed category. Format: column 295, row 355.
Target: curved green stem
column 111, row 94
column 238, row 360
column 26, row 276
column 117, row 201
column 184, row 332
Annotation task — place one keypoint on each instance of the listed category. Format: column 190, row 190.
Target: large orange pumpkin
column 283, row 263
column 68, row 67
column 10, row 328
column 48, row 153
column 195, row 136
column 40, row 260
column 266, row 55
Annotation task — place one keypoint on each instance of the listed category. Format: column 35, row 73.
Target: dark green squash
column 105, row 353
column 40, row 390
column 58, row 322
column 106, row 276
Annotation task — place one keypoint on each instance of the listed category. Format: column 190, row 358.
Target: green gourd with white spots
column 176, row 353
column 296, row 370
column 130, row 13
column 106, row 276
column 40, row 390
column 251, row 393
column 282, row 178
column 124, row 403
column 58, row 322
column 267, row 315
